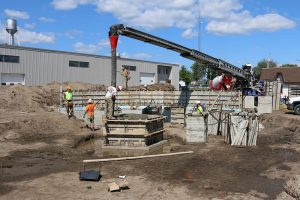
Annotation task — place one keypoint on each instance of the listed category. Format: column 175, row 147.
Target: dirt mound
column 26, row 99
column 292, row 187
column 37, row 98
column 153, row 87
column 280, row 128
column 75, row 86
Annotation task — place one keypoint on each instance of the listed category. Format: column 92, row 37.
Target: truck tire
column 297, row 109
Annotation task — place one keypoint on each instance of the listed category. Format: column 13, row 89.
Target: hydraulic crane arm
column 192, row 54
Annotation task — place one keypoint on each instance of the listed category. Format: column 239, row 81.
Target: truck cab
column 294, row 104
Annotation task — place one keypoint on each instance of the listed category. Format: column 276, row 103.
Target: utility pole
column 268, row 62
column 199, row 32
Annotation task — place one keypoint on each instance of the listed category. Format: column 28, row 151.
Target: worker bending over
column 68, row 97
column 90, row 110
column 110, row 98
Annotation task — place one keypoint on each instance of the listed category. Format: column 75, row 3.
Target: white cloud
column 141, row 56
column 27, row 36
column 244, row 23
column 16, row 14
column 29, row 25
column 221, row 16
column 3, row 36
column 105, row 43
column 69, row 4
column 219, row 9
column 148, row 14
column 123, row 55
column 72, row 34
column 86, row 48
column 46, row 19
column 189, row 33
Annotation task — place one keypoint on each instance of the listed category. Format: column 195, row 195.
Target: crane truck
column 230, row 72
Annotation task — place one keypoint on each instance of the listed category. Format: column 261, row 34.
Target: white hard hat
column 198, row 102
column 120, row 87
column 90, row 101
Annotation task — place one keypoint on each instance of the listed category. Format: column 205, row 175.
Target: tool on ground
column 90, row 175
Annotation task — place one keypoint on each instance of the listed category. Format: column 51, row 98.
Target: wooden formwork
column 134, row 130
column 166, row 98
column 241, row 129
column 178, row 115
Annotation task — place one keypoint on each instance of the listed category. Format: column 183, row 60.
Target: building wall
column 42, row 66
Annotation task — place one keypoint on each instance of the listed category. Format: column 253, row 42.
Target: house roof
column 289, row 74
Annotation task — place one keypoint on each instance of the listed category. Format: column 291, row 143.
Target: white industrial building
column 34, row 66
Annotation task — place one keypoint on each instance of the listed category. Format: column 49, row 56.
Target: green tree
column 212, row 73
column 185, row 75
column 198, row 71
column 289, row 65
column 263, row 64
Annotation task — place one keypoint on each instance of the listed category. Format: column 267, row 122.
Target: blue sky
column 237, row 31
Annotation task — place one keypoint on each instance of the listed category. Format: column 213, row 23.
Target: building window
column 78, row 64
column 167, row 71
column 130, row 68
column 8, row 58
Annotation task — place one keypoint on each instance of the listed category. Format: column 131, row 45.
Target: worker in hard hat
column 110, row 98
column 90, row 110
column 200, row 107
column 68, row 97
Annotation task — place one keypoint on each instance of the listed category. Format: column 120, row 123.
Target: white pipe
column 136, row 157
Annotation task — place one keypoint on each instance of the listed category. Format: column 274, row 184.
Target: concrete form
column 134, row 130
column 264, row 104
column 196, row 128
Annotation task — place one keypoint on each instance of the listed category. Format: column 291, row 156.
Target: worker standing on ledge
column 68, row 97
column 110, row 99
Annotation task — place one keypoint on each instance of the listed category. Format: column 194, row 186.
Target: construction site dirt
column 41, row 154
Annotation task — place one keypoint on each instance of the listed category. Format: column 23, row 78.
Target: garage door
column 12, row 79
column 147, row 78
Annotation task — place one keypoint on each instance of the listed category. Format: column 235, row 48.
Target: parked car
column 294, row 104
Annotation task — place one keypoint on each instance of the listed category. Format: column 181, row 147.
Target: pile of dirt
column 280, row 128
column 75, row 86
column 153, row 87
column 292, row 187
column 26, row 99
column 38, row 98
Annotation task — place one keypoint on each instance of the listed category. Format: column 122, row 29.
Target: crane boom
column 185, row 52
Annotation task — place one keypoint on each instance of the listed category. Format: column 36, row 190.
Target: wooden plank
column 136, row 157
